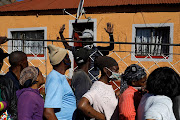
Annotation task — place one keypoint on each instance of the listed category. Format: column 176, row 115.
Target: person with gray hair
column 18, row 61
column 60, row 101
column 30, row 103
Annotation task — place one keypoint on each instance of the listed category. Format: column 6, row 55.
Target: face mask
column 69, row 63
column 115, row 75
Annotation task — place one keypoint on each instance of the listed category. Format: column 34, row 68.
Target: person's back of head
column 18, row 58
column 134, row 75
column 81, row 57
column 164, row 81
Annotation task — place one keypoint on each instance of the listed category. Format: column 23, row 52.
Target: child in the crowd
column 130, row 98
column 30, row 102
column 162, row 85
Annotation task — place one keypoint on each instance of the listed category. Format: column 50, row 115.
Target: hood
column 19, row 92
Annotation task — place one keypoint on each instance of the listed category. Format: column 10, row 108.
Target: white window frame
column 10, row 30
column 72, row 43
column 134, row 26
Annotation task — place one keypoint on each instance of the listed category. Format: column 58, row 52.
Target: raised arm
column 88, row 110
column 66, row 45
column 109, row 30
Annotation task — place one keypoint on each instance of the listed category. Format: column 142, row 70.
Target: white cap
column 87, row 33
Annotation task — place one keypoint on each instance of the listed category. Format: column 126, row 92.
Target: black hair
column 164, row 81
column 29, row 83
column 104, row 61
column 81, row 56
column 16, row 57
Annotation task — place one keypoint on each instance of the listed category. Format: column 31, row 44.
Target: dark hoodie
column 30, row 104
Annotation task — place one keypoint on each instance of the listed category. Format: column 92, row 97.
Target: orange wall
column 122, row 30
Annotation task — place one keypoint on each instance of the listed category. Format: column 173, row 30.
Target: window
column 152, row 34
column 31, row 48
column 80, row 26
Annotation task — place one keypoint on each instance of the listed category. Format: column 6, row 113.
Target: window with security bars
column 31, row 48
column 159, row 35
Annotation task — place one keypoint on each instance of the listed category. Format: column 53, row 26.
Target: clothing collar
column 134, row 88
column 10, row 70
column 58, row 72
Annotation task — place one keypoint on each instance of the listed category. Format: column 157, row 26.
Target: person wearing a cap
column 130, row 98
column 8, row 92
column 60, row 101
column 88, row 35
column 162, row 86
column 30, row 103
column 81, row 82
column 100, row 102
column 18, row 61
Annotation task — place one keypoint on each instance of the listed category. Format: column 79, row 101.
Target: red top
column 128, row 103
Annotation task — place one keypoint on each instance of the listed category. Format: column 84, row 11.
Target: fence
column 123, row 53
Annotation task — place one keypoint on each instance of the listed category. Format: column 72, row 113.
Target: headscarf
column 29, row 76
column 133, row 72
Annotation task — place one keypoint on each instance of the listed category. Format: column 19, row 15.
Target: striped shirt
column 128, row 103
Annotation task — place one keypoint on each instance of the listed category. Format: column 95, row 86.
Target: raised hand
column 109, row 29
column 62, row 29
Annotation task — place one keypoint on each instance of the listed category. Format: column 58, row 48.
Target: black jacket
column 8, row 94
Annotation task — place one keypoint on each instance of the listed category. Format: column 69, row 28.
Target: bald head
column 18, row 58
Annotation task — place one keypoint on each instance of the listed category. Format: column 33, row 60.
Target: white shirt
column 157, row 107
column 103, row 99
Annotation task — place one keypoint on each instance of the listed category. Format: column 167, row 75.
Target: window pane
column 29, row 47
column 152, row 35
column 143, row 36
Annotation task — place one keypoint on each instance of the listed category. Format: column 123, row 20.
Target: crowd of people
column 141, row 97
